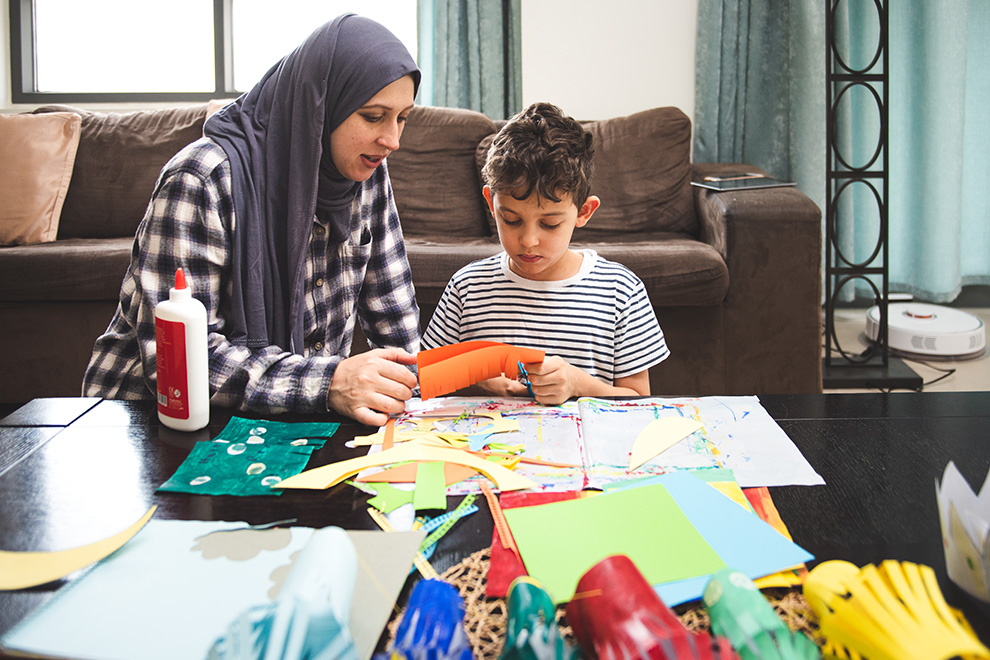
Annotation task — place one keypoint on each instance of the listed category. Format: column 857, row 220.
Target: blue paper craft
column 741, row 538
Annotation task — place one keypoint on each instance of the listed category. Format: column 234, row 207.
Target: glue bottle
column 181, row 359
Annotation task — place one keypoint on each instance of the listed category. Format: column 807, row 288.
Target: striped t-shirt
column 600, row 320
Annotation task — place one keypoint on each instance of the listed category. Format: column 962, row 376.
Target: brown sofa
column 734, row 277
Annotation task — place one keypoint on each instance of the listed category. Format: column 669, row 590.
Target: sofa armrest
column 771, row 240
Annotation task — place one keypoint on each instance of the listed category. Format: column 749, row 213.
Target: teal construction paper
column 237, row 468
column 241, row 429
column 741, row 538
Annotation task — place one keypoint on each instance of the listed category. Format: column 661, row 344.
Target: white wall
column 599, row 59
column 5, row 55
column 593, row 59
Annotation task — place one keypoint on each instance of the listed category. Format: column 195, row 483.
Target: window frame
column 22, row 65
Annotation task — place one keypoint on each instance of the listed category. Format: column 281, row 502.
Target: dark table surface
column 77, row 470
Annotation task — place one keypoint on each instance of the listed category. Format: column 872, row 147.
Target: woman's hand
column 372, row 385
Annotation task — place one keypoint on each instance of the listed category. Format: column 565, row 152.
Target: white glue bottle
column 182, row 362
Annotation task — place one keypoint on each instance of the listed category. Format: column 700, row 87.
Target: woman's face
column 372, row 132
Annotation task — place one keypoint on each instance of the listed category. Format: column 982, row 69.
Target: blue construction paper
column 742, row 539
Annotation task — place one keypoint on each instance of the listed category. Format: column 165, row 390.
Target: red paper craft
column 504, row 566
column 450, row 368
column 615, row 613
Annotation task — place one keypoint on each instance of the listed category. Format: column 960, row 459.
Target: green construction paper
column 239, row 468
column 431, row 487
column 387, row 497
column 560, row 541
column 257, row 431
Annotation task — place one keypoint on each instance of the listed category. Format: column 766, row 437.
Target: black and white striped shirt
column 600, row 320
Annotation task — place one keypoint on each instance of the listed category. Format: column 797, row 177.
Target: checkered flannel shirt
column 187, row 225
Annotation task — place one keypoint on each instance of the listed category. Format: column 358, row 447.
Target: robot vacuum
column 932, row 331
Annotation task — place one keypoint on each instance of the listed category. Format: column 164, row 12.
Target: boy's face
column 536, row 233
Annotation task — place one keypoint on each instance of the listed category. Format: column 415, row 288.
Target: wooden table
column 76, row 470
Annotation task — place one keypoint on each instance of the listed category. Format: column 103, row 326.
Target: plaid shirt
column 188, row 225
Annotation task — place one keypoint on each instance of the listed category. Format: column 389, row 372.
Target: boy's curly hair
column 541, row 149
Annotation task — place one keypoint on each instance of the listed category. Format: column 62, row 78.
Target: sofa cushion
column 118, row 162
column 72, row 269
column 642, row 173
column 676, row 269
column 34, row 174
column 436, row 185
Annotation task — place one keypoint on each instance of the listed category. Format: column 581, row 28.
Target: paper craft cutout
column 660, row 435
column 431, row 491
column 406, row 474
column 309, row 616
column 965, row 522
column 103, row 614
column 642, row 524
column 388, row 438
column 389, row 498
column 239, row 468
column 449, row 368
column 329, row 475
column 892, row 611
column 505, row 566
column 21, row 570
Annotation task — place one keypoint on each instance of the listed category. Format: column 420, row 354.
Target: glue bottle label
column 170, row 343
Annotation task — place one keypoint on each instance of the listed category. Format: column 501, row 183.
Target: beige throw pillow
column 38, row 152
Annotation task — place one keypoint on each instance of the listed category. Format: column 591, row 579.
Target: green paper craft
column 387, row 497
column 431, row 487
column 223, row 468
column 256, row 431
column 644, row 523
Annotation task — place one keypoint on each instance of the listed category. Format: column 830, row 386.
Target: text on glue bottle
column 181, row 359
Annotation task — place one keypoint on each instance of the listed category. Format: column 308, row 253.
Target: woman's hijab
column 277, row 137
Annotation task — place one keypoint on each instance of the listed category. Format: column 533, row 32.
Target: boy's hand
column 555, row 380
column 502, row 386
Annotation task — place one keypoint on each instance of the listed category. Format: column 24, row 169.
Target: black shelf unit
column 874, row 367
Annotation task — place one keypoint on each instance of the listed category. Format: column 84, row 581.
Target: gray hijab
column 277, row 137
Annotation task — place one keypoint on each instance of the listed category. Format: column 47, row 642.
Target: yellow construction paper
column 659, row 436
column 20, row 570
column 329, row 475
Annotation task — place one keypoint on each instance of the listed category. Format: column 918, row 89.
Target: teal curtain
column 473, row 50
column 760, row 88
column 760, row 99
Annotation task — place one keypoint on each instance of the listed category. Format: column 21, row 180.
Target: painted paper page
column 737, row 433
column 549, row 433
column 197, row 577
column 560, row 541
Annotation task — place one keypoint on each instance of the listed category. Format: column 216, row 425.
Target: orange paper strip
column 450, row 368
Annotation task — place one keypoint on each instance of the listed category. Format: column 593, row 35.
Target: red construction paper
column 504, row 565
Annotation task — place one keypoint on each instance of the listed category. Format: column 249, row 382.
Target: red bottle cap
column 180, row 279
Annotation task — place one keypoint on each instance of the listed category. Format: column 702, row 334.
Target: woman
column 283, row 219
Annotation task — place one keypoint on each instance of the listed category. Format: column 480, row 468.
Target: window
column 180, row 50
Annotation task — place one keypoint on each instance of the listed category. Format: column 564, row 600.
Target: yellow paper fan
column 892, row 612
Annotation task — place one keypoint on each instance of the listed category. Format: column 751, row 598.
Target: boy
column 591, row 316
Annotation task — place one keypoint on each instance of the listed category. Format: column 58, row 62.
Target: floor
column 938, row 375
